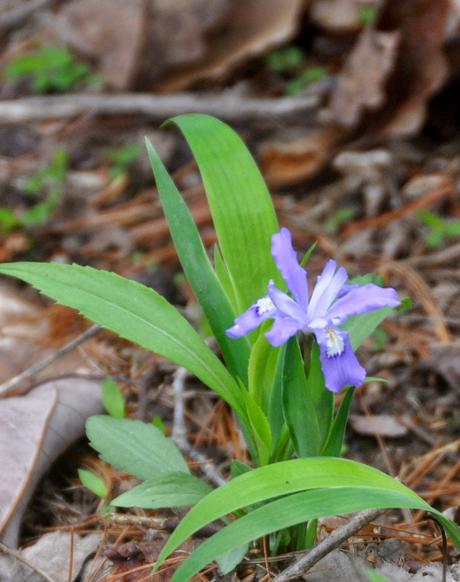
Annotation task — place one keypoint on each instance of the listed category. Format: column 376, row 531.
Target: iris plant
column 331, row 303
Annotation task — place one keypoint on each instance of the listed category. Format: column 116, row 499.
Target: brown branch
column 333, row 541
column 229, row 106
column 12, row 383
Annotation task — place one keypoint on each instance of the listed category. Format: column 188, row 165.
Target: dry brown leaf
column 361, row 86
column 35, row 429
column 109, row 31
column 384, row 425
column 422, row 66
column 291, row 159
column 55, row 554
column 252, row 27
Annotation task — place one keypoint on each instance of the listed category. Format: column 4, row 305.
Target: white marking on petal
column 334, row 342
column 264, row 305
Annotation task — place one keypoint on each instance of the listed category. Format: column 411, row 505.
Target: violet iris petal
column 288, row 265
column 341, row 370
column 283, row 328
column 361, row 300
column 331, row 303
column 251, row 319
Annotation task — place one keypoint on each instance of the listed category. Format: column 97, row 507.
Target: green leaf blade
column 134, row 312
column 175, row 489
column 134, row 447
column 287, row 512
column 280, row 479
column 198, row 269
column 240, row 203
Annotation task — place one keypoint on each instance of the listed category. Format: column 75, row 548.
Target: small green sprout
column 286, row 60
column 94, row 482
column 290, row 65
column 47, row 183
column 438, row 229
column 8, row 220
column 158, row 422
column 367, row 14
column 50, row 68
column 123, row 158
column 113, row 399
column 338, row 218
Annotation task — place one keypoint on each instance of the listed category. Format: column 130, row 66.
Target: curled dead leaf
column 251, row 28
column 293, row 158
column 361, row 86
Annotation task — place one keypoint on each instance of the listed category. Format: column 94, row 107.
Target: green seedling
column 367, row 14
column 94, row 482
column 123, row 158
column 46, row 184
column 438, row 229
column 113, row 399
column 291, row 66
column 338, row 218
column 50, row 68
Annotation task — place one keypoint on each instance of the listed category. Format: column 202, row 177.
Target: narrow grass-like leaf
column 198, row 269
column 170, row 490
column 260, row 430
column 240, row 203
column 262, row 371
column 360, row 327
column 230, row 560
column 112, row 398
column 93, row 482
column 134, row 312
column 323, row 399
column 298, row 407
column 284, row 478
column 334, row 444
column 134, row 447
column 290, row 511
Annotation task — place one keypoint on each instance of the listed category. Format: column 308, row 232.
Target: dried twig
column 179, row 431
column 230, row 106
column 333, row 541
column 12, row 383
column 20, row 14
column 18, row 556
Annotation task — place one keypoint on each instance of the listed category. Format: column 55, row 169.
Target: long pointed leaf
column 277, row 480
column 298, row 405
column 289, row 511
column 198, row 269
column 134, row 312
column 240, row 203
column 170, row 490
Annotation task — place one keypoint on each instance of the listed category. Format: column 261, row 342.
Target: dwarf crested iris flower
column 331, row 303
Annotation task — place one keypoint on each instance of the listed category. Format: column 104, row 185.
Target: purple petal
column 361, row 300
column 252, row 318
column 283, row 328
column 327, row 287
column 343, row 369
column 288, row 265
column 286, row 305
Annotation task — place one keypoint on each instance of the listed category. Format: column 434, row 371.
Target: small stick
column 18, row 16
column 333, row 541
column 24, row 560
column 179, row 431
column 12, row 383
column 229, row 106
